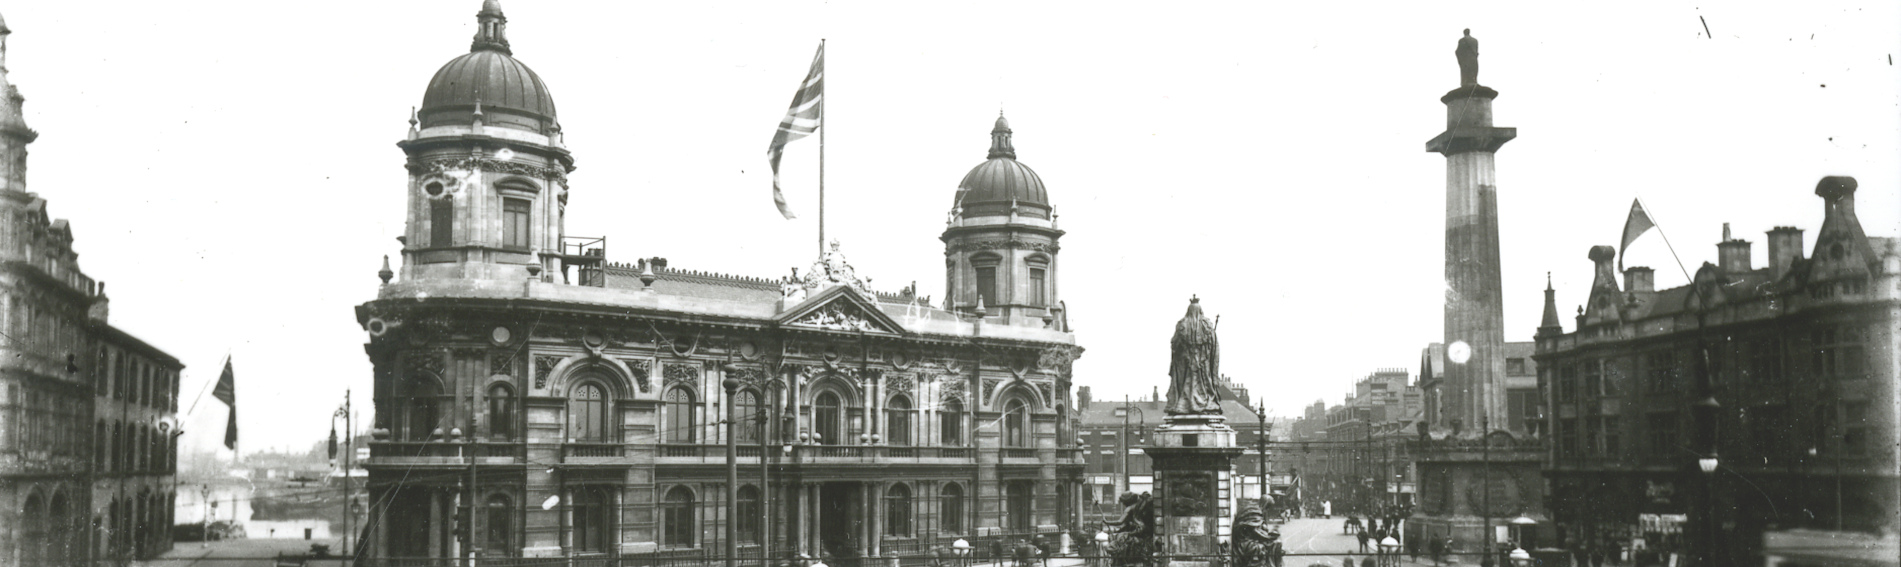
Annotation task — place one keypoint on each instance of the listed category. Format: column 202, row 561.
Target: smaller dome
column 1001, row 182
column 509, row 93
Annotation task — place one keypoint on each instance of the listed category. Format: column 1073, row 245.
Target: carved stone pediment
column 841, row 309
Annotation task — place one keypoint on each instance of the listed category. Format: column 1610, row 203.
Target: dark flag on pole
column 1635, row 226
column 804, row 118
column 226, row 391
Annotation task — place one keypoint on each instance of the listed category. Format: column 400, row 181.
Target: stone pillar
column 1191, row 455
column 1474, row 308
column 436, row 546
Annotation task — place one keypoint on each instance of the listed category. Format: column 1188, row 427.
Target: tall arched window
column 441, row 222
column 1015, row 414
column 897, row 421
column 501, row 526
column 897, row 510
column 749, row 421
column 33, row 535
column 501, row 413
column 593, row 513
column 676, row 518
column 587, row 414
column 60, row 538
column 747, row 513
column 950, row 423
column 679, row 423
column 825, row 418
column 423, row 416
column 950, row 508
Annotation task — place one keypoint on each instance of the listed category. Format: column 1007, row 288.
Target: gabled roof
column 840, row 308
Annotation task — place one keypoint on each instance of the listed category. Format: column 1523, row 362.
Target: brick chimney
column 1785, row 247
column 1082, row 398
column 1639, row 279
column 1732, row 254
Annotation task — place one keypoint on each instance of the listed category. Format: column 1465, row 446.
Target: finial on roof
column 491, row 29
column 1000, row 146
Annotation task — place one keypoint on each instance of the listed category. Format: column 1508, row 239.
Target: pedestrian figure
column 1361, row 535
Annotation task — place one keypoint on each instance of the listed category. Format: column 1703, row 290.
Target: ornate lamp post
column 961, row 549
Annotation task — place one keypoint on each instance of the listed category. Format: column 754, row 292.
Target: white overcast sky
column 230, row 167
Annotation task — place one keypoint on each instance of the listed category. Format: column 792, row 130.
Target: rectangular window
column 1662, row 369
column 1765, row 360
column 1515, row 367
column 1662, row 433
column 441, row 222
column 987, row 284
column 1037, row 287
column 1768, row 426
column 1568, row 383
column 1593, row 379
column 1568, row 437
column 1855, row 427
column 1611, row 436
column 1593, row 436
column 515, row 224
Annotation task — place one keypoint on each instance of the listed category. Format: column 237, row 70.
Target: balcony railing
column 681, row 451
column 953, row 452
column 590, row 450
column 1018, row 453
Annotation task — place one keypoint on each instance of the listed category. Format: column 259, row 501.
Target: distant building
column 1801, row 360
column 88, row 426
column 533, row 400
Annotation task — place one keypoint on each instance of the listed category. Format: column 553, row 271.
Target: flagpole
column 821, row 165
column 1666, row 241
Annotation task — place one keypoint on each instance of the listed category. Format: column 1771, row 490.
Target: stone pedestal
column 1192, row 457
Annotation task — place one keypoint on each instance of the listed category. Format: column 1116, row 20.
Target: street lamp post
column 732, row 472
column 1485, row 489
column 1127, row 443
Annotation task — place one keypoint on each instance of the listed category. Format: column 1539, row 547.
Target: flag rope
column 1666, row 242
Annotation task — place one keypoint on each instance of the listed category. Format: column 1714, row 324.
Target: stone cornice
column 438, row 165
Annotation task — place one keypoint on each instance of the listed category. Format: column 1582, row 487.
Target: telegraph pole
column 1265, row 430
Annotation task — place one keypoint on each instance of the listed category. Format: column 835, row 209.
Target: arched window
column 99, row 447
column 748, row 514
column 593, row 513
column 749, row 420
column 950, row 423
column 680, row 428
column 587, row 414
column 501, row 413
column 1015, row 414
column 60, row 537
column 501, row 524
column 950, row 508
column 423, row 408
column 825, row 418
column 677, row 523
column 33, row 535
column 897, row 510
column 897, row 421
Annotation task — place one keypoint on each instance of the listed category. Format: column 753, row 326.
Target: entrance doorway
column 840, row 521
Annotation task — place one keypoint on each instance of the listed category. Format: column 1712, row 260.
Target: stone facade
column 523, row 410
column 1801, row 360
column 88, row 414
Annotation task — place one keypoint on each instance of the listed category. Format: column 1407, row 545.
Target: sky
column 230, row 167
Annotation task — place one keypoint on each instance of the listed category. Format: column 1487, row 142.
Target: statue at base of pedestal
column 1256, row 544
column 1132, row 537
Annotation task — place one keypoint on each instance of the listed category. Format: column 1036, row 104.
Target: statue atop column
column 1468, row 53
column 1194, row 365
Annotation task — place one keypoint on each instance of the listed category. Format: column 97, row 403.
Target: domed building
column 1000, row 248
column 534, row 399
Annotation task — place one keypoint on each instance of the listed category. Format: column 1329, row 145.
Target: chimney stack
column 1785, row 247
column 1839, row 192
column 1640, row 279
column 1082, row 398
column 1732, row 254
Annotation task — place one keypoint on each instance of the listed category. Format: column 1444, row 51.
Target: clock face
column 1459, row 352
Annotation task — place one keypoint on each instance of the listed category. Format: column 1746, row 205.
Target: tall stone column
column 1474, row 308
